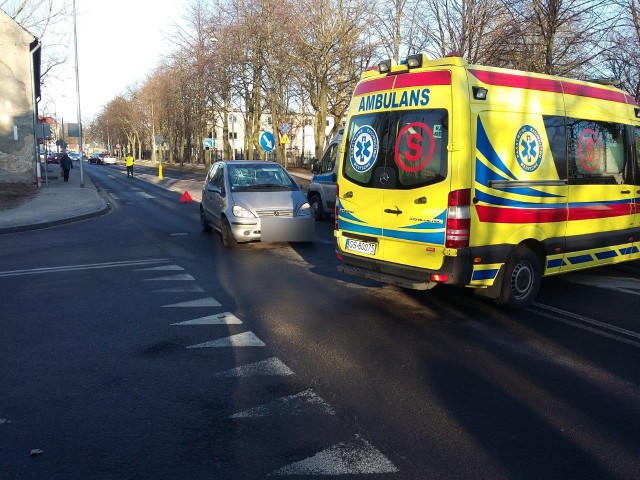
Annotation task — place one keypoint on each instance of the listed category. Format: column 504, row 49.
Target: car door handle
column 625, row 191
column 397, row 211
column 420, row 201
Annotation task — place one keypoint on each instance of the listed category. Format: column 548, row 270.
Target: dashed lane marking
column 246, row 339
column 202, row 302
column 178, row 277
column 303, row 403
column 226, row 318
column 272, row 367
column 163, row 268
column 185, row 289
column 350, row 458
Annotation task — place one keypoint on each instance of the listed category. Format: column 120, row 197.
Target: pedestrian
column 66, row 164
column 128, row 161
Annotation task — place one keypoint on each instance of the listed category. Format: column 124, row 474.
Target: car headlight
column 304, row 210
column 242, row 212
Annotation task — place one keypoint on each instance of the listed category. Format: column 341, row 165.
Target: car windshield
column 259, row 177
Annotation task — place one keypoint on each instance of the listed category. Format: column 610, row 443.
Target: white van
column 322, row 189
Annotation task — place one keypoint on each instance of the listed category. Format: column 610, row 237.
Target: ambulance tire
column 316, row 205
column 520, row 280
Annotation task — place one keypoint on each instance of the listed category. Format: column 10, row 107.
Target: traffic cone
column 186, row 198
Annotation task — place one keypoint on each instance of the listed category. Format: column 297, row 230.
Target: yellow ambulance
column 484, row 177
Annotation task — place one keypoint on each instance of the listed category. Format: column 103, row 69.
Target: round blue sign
column 528, row 147
column 267, row 141
column 363, row 149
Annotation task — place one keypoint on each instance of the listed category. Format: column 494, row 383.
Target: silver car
column 254, row 201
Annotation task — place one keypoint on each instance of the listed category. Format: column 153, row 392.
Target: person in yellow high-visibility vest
column 128, row 161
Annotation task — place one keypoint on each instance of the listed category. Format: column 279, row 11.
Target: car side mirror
column 314, row 167
column 213, row 188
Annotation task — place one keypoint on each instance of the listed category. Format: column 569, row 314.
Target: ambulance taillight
column 458, row 219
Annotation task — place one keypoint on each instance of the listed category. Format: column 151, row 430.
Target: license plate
column 359, row 246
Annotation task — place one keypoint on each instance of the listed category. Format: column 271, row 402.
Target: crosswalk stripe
column 162, row 268
column 185, row 289
column 303, row 403
column 246, row 339
column 202, row 302
column 272, row 367
column 179, row 277
column 225, row 318
column 350, row 458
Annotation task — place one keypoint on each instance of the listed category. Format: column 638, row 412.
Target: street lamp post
column 80, row 144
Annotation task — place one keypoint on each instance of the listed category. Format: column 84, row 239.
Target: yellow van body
column 485, row 177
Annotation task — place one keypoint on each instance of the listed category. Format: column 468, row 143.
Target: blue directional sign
column 267, row 141
column 209, row 143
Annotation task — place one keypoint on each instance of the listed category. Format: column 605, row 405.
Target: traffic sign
column 285, row 128
column 284, row 139
column 209, row 143
column 267, row 141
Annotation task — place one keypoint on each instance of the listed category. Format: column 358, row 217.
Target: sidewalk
column 56, row 203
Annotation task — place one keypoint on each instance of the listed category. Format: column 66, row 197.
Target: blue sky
column 119, row 43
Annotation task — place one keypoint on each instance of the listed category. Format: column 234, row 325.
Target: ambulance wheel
column 316, row 206
column 521, row 279
column 228, row 240
column 206, row 228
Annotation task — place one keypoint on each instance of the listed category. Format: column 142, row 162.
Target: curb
column 55, row 223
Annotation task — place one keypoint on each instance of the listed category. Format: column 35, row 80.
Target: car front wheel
column 228, row 240
column 203, row 221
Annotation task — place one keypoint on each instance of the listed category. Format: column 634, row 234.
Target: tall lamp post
column 80, row 143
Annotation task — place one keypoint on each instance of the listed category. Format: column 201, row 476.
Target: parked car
column 322, row 189
column 96, row 158
column 54, row 158
column 109, row 159
column 254, row 201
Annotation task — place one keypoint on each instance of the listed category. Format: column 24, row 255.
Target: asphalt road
column 134, row 346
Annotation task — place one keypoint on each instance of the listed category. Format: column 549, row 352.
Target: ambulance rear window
column 397, row 150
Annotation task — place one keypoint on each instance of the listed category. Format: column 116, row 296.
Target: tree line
column 250, row 57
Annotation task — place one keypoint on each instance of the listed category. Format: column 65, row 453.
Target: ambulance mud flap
column 384, row 278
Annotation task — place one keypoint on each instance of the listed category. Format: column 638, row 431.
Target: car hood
column 253, row 201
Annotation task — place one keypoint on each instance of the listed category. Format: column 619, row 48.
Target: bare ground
column 13, row 195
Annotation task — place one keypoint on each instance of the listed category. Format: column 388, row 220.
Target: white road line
column 179, row 276
column 225, row 318
column 303, row 403
column 272, row 367
column 246, row 339
column 179, row 234
column 202, row 302
column 161, row 268
column 350, row 458
column 71, row 268
column 585, row 323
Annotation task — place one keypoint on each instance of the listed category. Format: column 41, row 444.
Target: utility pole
column 80, row 144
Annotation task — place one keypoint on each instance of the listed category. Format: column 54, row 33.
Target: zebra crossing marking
column 303, row 403
column 177, row 277
column 346, row 458
column 225, row 318
column 185, row 289
column 246, row 339
column 271, row 367
column 202, row 302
